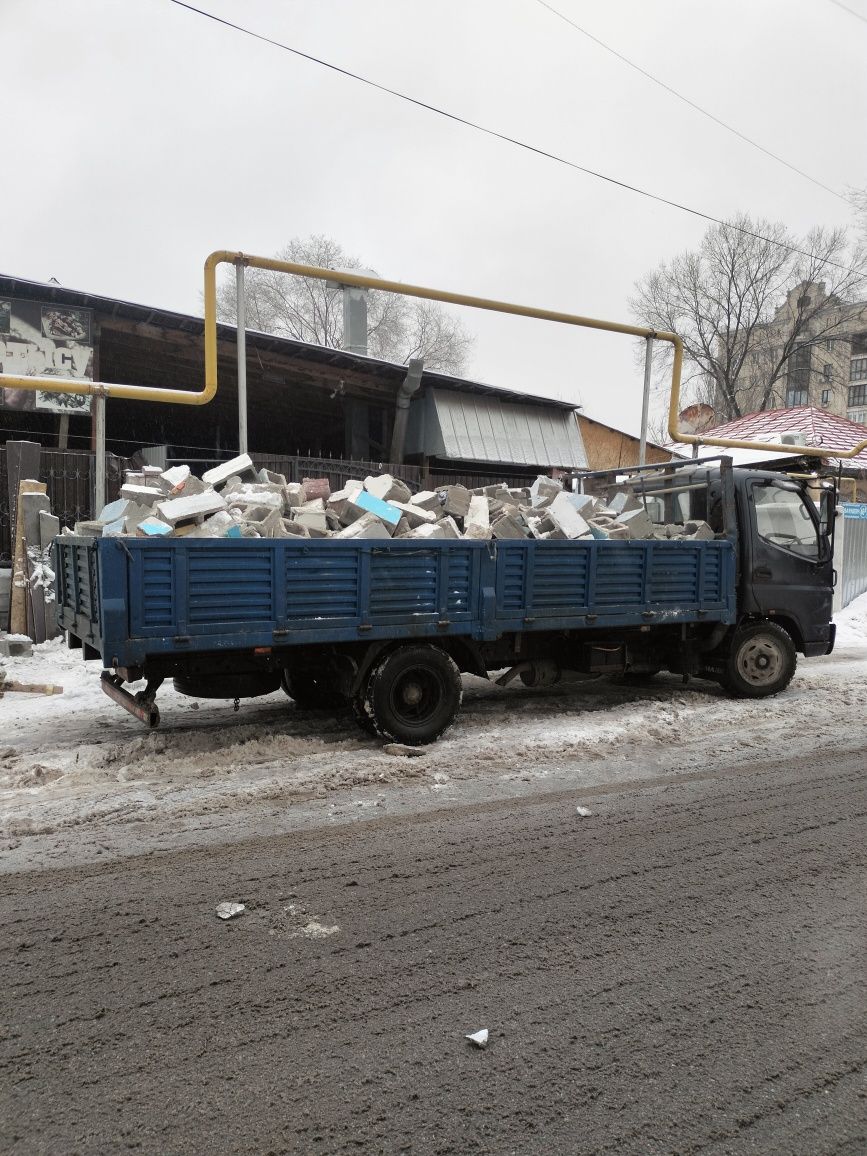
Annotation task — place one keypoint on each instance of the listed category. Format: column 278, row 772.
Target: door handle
column 762, row 572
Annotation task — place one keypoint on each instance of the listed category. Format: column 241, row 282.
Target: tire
column 761, row 661
column 312, row 691
column 360, row 712
column 413, row 695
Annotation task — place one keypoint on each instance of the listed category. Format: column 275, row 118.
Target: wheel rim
column 416, row 695
column 760, row 660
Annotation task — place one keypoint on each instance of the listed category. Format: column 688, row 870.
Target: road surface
column 685, row 970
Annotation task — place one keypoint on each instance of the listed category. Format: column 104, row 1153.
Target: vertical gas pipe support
column 645, row 401
column 98, row 404
column 242, row 355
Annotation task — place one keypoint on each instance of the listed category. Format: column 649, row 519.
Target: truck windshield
column 783, row 519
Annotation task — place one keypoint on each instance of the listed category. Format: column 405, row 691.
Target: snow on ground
column 78, row 769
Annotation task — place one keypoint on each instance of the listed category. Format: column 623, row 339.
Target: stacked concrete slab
column 236, row 500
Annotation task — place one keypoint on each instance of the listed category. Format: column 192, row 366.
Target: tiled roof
column 818, row 427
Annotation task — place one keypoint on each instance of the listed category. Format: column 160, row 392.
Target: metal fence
column 850, row 553
column 68, row 475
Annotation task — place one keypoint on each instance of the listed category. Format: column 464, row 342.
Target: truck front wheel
column 761, row 661
column 413, row 695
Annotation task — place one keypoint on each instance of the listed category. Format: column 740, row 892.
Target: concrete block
column 294, row 529
column 315, row 488
column 624, row 500
column 401, row 529
column 449, row 527
column 152, row 474
column 387, row 488
column 507, row 526
column 112, row 511
column 478, row 512
column 174, row 478
column 314, row 521
column 427, row 500
column 88, row 529
column 566, row 518
column 144, row 495
column 498, row 493
column 637, row 522
column 294, row 495
column 427, row 531
column 49, row 528
column 698, row 531
column 135, row 515
column 184, row 509
column 241, row 465
column 585, row 504
column 113, row 529
column 607, row 528
column 367, row 526
column 16, row 646
column 217, row 526
column 317, row 504
column 520, row 496
column 269, row 478
column 455, row 501
column 339, row 499
column 544, row 488
column 415, row 515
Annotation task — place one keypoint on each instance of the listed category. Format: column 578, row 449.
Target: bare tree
column 749, row 308
column 305, row 309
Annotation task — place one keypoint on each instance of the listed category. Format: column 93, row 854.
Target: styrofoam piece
column 243, row 464
column 153, row 527
column 479, row 1038
column 370, row 504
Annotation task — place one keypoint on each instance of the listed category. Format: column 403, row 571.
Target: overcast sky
column 140, row 137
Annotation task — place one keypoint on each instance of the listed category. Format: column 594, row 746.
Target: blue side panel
column 133, row 597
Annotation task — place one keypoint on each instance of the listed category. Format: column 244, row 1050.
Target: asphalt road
column 683, row 971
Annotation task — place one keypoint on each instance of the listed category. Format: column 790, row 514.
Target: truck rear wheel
column 413, row 695
column 761, row 661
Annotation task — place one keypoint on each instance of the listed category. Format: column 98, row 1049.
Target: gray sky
column 146, row 136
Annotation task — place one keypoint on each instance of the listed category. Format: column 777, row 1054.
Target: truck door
column 789, row 573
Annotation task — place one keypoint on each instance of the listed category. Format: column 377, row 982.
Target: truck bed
column 128, row 598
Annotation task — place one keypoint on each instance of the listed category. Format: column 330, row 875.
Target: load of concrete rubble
column 235, row 500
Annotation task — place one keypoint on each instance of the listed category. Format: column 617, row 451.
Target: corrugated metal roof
column 463, row 427
column 819, row 428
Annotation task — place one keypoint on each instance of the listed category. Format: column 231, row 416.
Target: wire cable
column 686, row 100
column 527, row 147
column 851, row 11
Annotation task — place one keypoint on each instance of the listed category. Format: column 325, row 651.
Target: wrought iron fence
column 68, row 475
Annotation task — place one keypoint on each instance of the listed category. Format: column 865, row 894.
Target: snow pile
column 852, row 623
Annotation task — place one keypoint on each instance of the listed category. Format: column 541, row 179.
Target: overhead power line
column 851, row 11
column 686, row 100
column 526, row 146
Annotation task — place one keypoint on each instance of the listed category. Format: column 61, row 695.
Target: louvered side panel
column 560, row 572
column 713, row 575
column 403, row 583
column 511, row 580
column 323, row 585
column 460, row 573
column 673, row 576
column 229, row 585
column 155, row 592
column 619, row 575
column 83, row 583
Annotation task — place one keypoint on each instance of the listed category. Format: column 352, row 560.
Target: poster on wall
column 42, row 340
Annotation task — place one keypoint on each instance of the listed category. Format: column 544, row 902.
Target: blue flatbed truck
column 388, row 626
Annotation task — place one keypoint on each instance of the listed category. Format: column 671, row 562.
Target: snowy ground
column 80, row 778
